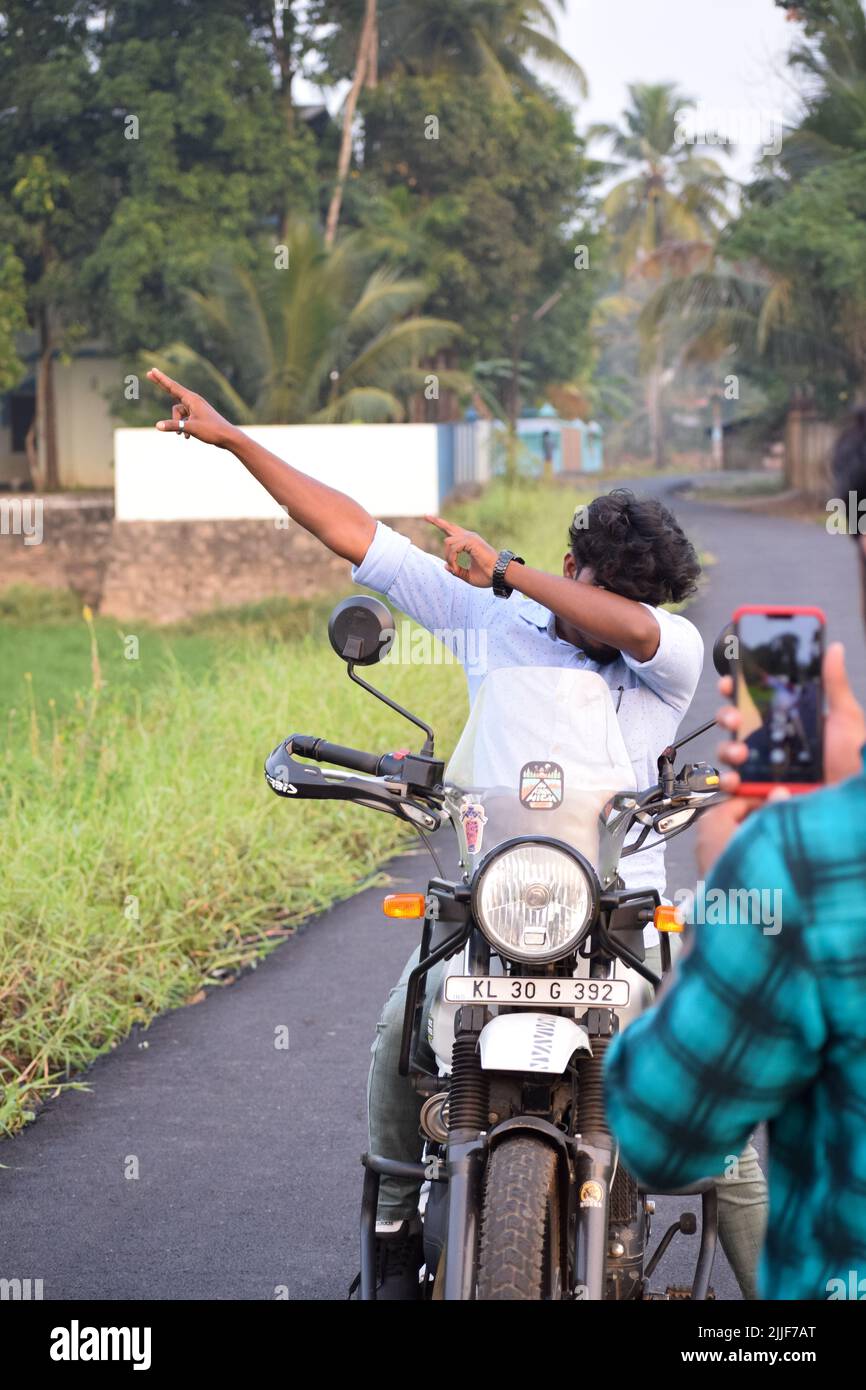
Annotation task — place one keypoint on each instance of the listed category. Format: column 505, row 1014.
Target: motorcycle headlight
column 535, row 900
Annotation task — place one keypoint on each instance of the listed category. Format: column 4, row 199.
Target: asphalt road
column 245, row 1153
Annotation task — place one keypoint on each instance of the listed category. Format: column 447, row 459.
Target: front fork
column 593, row 1170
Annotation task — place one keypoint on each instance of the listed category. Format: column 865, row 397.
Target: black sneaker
column 399, row 1257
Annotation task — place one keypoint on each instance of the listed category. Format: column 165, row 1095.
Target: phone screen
column 779, row 695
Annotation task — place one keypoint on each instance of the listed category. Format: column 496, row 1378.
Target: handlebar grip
column 354, row 758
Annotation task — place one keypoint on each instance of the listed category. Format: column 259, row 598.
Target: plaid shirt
column 768, row 1025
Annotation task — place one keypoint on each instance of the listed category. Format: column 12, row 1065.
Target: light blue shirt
column 486, row 633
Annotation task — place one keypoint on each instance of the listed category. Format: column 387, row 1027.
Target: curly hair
column 635, row 547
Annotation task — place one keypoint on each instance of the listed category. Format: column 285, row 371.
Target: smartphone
column 779, row 692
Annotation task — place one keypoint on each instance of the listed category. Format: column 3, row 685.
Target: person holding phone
column 771, row 1027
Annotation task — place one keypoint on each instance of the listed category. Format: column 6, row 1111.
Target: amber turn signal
column 666, row 918
column 404, row 905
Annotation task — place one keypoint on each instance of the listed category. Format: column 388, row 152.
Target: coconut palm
column 763, row 306
column 495, row 41
column 672, row 194
column 664, row 214
column 498, row 42
column 331, row 337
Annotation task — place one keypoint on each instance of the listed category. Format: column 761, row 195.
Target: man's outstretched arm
column 338, row 521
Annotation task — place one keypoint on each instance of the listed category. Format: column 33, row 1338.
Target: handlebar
column 377, row 764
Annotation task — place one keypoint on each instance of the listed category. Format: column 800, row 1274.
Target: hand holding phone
column 779, row 695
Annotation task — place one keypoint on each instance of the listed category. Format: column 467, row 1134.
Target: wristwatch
column 503, row 560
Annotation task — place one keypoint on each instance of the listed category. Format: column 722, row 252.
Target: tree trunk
column 45, row 404
column 33, row 455
column 282, row 46
column 655, row 411
column 345, row 158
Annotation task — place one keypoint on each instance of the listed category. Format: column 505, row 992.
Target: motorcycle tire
column 519, row 1256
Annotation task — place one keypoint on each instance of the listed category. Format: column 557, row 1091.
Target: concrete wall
column 192, row 531
column 392, row 470
column 56, row 542
column 165, row 571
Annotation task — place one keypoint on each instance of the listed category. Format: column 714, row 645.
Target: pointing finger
column 447, row 527
column 174, row 388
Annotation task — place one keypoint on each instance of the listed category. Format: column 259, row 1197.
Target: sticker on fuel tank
column 541, row 786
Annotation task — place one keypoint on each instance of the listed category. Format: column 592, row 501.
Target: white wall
column 392, row 470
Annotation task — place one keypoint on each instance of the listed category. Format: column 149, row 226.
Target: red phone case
column 764, row 788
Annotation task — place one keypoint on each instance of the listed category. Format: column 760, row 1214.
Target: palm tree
column 495, row 41
column 664, row 214
column 332, row 337
column 366, row 62
column 766, row 309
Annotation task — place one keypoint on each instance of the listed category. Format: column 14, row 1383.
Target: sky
column 729, row 55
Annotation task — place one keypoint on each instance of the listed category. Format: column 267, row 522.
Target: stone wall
column 70, row 549
column 165, row 571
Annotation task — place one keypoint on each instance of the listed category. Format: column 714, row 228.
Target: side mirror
column 723, row 651
column 361, row 630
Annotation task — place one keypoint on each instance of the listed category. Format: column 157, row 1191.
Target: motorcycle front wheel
column 519, row 1255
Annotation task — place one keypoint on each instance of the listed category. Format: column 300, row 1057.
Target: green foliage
column 497, row 192
column 784, row 297
column 487, row 42
column 201, row 156
column 331, row 335
column 146, row 144
column 13, row 317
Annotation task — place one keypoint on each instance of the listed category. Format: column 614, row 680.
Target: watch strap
column 503, row 560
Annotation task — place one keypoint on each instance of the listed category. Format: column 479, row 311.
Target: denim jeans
column 393, row 1109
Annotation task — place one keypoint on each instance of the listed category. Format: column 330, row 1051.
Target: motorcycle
column 540, row 939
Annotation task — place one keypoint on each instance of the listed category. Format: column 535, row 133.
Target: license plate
column 566, row 993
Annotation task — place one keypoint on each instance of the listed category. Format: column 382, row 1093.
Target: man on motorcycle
column 626, row 558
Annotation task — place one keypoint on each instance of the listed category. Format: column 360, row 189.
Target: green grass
column 144, row 855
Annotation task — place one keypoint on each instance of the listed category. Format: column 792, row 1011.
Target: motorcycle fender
column 530, row 1042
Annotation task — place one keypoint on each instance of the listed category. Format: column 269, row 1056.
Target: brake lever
column 307, row 781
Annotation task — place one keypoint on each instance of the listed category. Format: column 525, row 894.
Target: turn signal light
column 404, row 905
column 668, row 918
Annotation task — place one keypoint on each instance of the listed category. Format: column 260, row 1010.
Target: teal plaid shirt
column 768, row 1026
